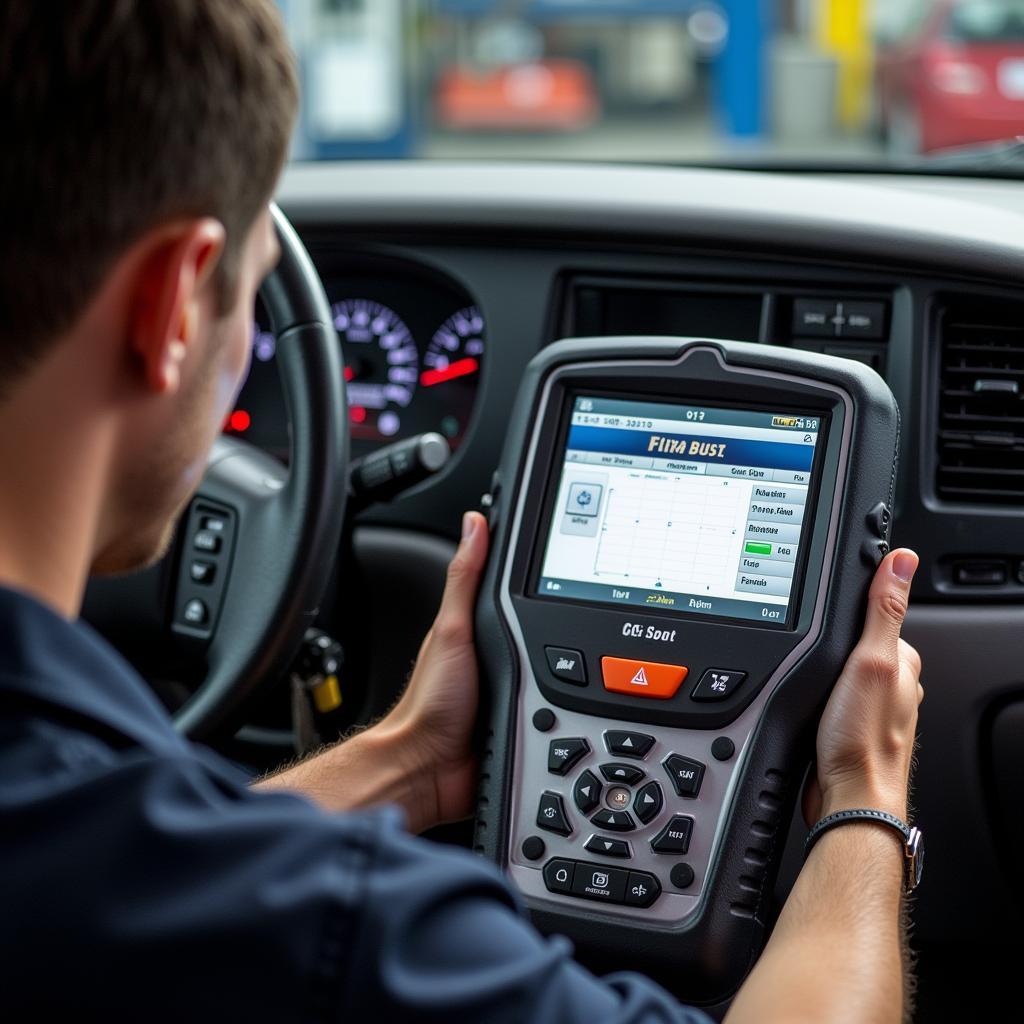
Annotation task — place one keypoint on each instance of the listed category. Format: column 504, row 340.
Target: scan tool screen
column 692, row 509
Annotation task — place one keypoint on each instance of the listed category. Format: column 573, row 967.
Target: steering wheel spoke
column 226, row 520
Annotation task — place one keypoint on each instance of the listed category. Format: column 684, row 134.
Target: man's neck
column 52, row 464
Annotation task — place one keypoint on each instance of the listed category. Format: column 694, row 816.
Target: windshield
column 859, row 82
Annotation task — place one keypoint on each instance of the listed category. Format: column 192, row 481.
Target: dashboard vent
column 981, row 404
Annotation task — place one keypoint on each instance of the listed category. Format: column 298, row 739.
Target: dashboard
column 413, row 344
column 919, row 278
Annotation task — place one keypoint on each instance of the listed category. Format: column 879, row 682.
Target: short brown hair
column 118, row 115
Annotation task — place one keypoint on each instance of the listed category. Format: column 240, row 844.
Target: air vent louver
column 981, row 405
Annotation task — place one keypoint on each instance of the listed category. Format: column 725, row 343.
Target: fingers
column 455, row 619
column 887, row 602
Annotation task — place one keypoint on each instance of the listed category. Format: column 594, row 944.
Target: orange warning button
column 642, row 678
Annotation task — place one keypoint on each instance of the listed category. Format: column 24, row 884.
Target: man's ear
column 178, row 262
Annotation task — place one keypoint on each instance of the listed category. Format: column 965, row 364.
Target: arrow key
column 648, row 802
column 625, row 774
column 628, row 744
column 614, row 821
column 587, row 792
column 605, row 847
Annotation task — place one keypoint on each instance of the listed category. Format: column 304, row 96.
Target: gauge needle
column 460, row 368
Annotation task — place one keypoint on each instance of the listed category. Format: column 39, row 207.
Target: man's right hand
column 866, row 736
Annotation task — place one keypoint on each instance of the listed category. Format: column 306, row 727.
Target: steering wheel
column 282, row 525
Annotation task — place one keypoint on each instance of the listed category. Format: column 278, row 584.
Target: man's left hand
column 433, row 722
column 420, row 755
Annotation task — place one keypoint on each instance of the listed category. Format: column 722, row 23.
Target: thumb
column 888, row 599
column 455, row 619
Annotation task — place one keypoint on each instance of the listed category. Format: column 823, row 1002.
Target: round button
column 533, row 847
column 618, row 798
column 723, row 748
column 544, row 719
column 682, row 876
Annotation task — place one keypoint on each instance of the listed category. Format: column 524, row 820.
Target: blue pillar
column 741, row 68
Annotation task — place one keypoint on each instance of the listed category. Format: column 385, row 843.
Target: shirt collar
column 68, row 665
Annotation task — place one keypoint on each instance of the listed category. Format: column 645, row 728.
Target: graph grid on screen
column 670, row 531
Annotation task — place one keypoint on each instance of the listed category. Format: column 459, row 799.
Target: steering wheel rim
column 288, row 522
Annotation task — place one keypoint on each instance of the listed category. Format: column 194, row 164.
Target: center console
column 684, row 532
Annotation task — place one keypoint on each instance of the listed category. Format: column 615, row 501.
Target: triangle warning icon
column 640, row 679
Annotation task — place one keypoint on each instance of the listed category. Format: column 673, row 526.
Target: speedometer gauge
column 451, row 368
column 382, row 366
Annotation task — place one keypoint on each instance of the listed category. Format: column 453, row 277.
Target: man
column 140, row 876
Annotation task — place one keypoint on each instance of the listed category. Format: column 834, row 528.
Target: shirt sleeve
column 442, row 937
column 166, row 889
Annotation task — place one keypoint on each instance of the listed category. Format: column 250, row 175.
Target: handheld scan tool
column 684, row 535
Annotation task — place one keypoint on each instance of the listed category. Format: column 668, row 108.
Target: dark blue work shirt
column 142, row 879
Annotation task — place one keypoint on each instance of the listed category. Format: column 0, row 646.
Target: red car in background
column 953, row 75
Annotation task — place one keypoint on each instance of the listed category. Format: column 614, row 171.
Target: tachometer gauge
column 382, row 367
column 451, row 370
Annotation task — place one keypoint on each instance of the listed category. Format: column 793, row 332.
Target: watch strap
column 911, row 836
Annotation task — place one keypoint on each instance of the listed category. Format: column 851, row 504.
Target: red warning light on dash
column 238, row 422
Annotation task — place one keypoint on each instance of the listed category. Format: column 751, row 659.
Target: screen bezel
column 552, row 481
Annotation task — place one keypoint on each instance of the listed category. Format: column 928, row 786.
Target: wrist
column 858, row 796
column 394, row 745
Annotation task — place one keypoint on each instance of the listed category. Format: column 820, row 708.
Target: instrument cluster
column 414, row 349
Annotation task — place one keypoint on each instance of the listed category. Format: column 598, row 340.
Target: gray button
column 775, row 533
column 864, row 320
column 752, row 583
column 202, row 572
column 775, row 512
column 206, row 541
column 773, row 493
column 766, row 567
column 790, row 476
column 742, row 472
column 195, row 613
column 815, row 318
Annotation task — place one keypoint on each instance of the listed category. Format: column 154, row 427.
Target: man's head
column 143, row 140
